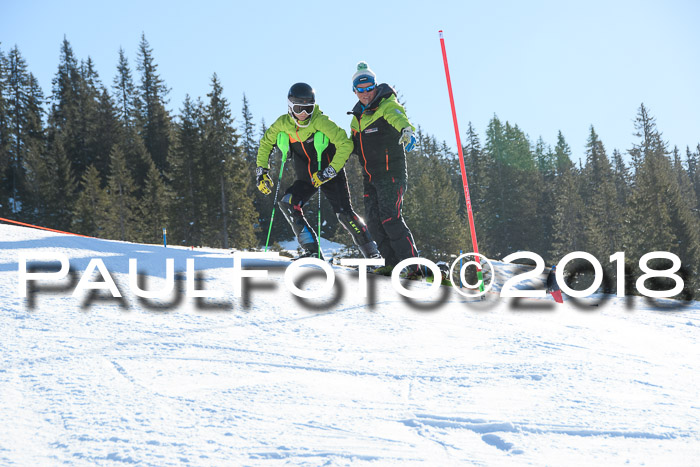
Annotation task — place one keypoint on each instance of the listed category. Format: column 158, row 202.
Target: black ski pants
column 383, row 200
column 337, row 193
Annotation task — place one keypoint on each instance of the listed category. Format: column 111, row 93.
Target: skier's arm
column 339, row 138
column 268, row 142
column 395, row 115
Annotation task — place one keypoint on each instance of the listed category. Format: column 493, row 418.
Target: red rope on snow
column 42, row 228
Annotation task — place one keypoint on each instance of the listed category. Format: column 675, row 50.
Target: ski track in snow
column 275, row 380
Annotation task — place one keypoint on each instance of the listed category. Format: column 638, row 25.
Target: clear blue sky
column 544, row 65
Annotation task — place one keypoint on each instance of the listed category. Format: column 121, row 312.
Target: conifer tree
column 515, row 217
column 90, row 212
column 65, row 121
column 227, row 218
column 40, row 171
column 185, row 176
column 150, row 105
column 127, row 110
column 5, row 158
column 604, row 217
column 124, row 91
column 662, row 220
column 24, row 118
column 622, row 179
column 546, row 168
column 432, row 209
column 479, row 180
column 562, row 155
column 88, row 136
column 121, row 221
column 153, row 207
column 59, row 207
column 109, row 133
column 544, row 157
column 568, row 208
column 693, row 161
column 25, row 135
column 650, row 216
column 250, row 143
column 684, row 182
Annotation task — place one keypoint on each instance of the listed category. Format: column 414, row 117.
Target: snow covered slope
column 269, row 378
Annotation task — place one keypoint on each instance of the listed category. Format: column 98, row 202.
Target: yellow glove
column 319, row 178
column 263, row 180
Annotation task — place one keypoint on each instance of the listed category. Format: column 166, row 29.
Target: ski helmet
column 301, row 97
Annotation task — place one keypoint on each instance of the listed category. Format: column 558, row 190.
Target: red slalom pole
column 467, row 198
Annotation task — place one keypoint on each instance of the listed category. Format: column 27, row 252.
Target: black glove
column 263, row 180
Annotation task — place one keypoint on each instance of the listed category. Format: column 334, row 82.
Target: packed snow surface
column 269, row 378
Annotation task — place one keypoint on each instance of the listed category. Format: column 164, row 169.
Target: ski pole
column 321, row 142
column 467, row 198
column 318, row 158
column 283, row 145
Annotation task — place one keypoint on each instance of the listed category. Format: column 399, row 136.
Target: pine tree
column 224, row 167
column 153, row 207
column 109, row 131
column 88, row 136
column 90, row 212
column 546, row 168
column 40, row 171
column 121, row 221
column 124, row 91
column 684, row 182
column 73, row 109
column 568, row 208
column 661, row 218
column 186, row 176
column 562, row 155
column 59, row 207
column 250, row 144
column 622, row 179
column 515, row 216
column 650, row 216
column 64, row 111
column 154, row 121
column 22, row 114
column 428, row 204
column 693, row 161
column 604, row 217
column 5, row 157
column 479, row 181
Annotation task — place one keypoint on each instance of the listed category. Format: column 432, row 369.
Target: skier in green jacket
column 302, row 122
column 382, row 135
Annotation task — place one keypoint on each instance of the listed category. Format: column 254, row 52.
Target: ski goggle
column 300, row 108
column 367, row 89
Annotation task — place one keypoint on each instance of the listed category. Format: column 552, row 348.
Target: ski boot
column 310, row 251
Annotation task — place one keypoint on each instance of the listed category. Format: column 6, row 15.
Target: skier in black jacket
column 382, row 135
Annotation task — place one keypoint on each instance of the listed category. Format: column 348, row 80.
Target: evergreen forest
column 109, row 160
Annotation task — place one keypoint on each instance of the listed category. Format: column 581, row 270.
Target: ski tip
column 440, row 32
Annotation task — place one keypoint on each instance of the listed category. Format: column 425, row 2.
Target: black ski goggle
column 300, row 108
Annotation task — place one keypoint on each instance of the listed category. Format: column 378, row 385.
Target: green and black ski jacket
column 376, row 130
column 302, row 141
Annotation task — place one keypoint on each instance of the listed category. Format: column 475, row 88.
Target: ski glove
column 319, row 178
column 263, row 180
column 407, row 139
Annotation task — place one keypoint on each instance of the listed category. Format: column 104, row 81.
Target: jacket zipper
column 307, row 154
column 359, row 126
